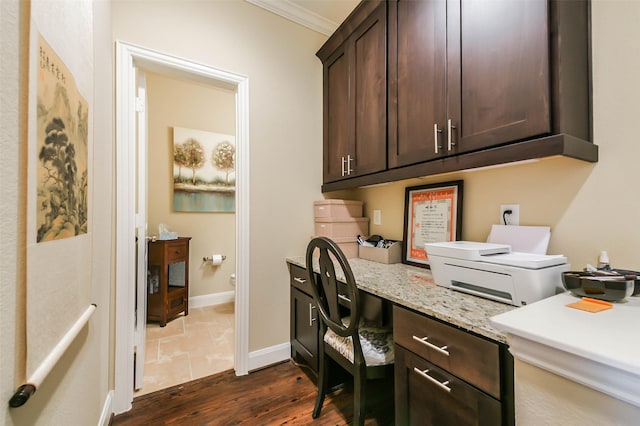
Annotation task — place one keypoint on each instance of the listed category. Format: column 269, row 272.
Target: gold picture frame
column 432, row 213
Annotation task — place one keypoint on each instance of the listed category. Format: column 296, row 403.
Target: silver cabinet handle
column 349, row 160
column 435, row 137
column 450, row 141
column 441, row 349
column 311, row 318
column 299, row 280
column 343, row 297
column 441, row 385
column 344, row 170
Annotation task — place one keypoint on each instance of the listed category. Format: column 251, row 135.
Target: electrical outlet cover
column 510, row 219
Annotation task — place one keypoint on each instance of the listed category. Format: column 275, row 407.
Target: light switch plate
column 377, row 217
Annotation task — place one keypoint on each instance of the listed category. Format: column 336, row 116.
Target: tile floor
column 188, row 348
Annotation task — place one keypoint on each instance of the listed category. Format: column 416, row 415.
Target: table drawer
column 469, row 357
column 299, row 279
column 176, row 251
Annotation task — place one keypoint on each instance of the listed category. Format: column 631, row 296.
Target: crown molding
column 298, row 14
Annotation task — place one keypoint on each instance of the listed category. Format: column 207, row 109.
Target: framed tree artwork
column 203, row 171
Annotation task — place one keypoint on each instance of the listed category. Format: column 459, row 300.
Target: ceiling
column 323, row 16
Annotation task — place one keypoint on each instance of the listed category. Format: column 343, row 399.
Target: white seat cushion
column 377, row 344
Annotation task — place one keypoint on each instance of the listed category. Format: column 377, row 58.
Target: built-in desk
column 477, row 368
column 412, row 287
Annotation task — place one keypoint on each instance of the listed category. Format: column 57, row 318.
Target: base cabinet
column 446, row 376
column 305, row 327
column 428, row 395
column 167, row 279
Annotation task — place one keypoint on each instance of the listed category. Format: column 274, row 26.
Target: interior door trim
column 128, row 57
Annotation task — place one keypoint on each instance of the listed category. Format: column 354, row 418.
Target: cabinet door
column 426, row 395
column 304, row 328
column 417, row 80
column 336, row 115
column 498, row 71
column 355, row 102
column 369, row 95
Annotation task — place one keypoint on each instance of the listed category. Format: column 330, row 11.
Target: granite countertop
column 414, row 288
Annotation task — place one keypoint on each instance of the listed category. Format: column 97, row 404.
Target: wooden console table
column 167, row 279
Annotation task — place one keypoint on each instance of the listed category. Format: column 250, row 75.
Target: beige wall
column 77, row 388
column 590, row 207
column 177, row 103
column 285, row 126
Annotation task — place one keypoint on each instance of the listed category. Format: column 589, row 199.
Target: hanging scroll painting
column 62, row 150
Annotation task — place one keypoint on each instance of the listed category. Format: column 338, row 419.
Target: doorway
column 130, row 58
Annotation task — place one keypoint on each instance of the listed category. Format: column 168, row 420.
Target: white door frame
column 129, row 57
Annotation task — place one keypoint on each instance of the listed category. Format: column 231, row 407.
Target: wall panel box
column 342, row 227
column 393, row 254
column 337, row 208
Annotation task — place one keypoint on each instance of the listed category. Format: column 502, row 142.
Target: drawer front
column 469, row 357
column 428, row 395
column 299, row 278
column 176, row 251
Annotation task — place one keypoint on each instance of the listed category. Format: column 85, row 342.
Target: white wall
column 77, row 388
column 285, row 118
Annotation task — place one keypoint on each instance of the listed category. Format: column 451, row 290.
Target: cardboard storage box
column 348, row 245
column 337, row 208
column 392, row 254
column 342, row 227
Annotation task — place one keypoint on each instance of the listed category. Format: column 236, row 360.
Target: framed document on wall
column 432, row 214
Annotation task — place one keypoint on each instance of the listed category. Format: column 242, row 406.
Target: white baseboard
column 212, row 299
column 267, row 356
column 107, row 410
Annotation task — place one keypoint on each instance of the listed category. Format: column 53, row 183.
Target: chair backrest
column 324, row 287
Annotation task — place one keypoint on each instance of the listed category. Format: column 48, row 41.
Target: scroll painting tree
column 58, row 160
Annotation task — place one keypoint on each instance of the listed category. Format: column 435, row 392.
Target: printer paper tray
column 492, row 285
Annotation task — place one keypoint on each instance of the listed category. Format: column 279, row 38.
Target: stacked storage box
column 342, row 221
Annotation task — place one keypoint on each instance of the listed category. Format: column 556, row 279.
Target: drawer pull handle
column 441, row 385
column 343, row 297
column 423, row 340
column 300, row 280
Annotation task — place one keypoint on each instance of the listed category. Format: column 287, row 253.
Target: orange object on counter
column 591, row 305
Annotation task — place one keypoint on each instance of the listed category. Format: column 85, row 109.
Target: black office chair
column 361, row 348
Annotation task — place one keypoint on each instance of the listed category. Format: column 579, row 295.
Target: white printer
column 493, row 271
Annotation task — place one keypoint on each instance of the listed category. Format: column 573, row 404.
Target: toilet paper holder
column 210, row 258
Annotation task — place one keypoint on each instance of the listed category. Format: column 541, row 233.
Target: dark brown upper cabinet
column 355, row 95
column 465, row 75
column 470, row 83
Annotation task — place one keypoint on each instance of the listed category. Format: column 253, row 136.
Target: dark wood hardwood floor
column 283, row 394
